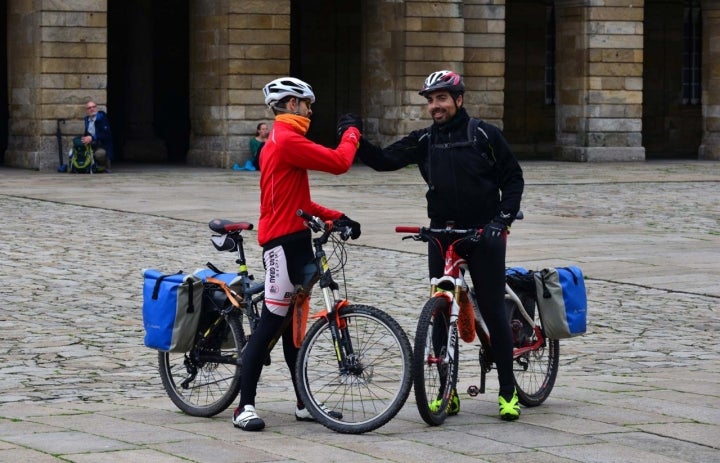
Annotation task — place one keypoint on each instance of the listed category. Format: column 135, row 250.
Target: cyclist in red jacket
column 286, row 241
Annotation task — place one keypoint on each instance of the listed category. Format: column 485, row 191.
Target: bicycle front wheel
column 535, row 370
column 373, row 383
column 435, row 372
column 206, row 380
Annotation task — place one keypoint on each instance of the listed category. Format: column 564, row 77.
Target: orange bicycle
column 452, row 313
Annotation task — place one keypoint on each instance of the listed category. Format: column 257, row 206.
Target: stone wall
column 57, row 61
column 406, row 41
column 236, row 48
column 599, row 80
column 484, row 58
column 710, row 147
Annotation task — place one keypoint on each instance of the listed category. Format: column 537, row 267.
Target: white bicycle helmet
column 443, row 80
column 287, row 86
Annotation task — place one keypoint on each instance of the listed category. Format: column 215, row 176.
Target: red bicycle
column 451, row 313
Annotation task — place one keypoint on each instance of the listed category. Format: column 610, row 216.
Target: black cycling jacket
column 470, row 184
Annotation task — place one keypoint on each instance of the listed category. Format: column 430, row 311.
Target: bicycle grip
column 407, row 229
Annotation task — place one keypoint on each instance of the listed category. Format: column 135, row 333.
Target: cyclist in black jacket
column 473, row 180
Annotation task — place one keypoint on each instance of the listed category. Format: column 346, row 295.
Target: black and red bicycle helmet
column 443, row 80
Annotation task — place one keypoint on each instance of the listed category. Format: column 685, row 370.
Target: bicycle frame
column 535, row 358
column 318, row 272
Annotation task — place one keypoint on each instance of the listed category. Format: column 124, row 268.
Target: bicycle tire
column 433, row 380
column 215, row 385
column 535, row 371
column 370, row 395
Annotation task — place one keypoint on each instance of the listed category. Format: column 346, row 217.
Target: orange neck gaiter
column 301, row 123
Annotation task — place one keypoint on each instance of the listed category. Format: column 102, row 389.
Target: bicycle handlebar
column 437, row 231
column 423, row 232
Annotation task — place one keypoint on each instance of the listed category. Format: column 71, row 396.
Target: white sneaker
column 303, row 414
column 247, row 419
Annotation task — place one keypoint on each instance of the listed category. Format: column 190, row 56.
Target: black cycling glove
column 345, row 221
column 349, row 120
column 493, row 230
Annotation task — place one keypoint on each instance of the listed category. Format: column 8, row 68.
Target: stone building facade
column 575, row 80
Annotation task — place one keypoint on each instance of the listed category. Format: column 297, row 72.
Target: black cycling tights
column 486, row 262
column 255, row 355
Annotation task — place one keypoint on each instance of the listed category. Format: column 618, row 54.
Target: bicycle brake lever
column 345, row 233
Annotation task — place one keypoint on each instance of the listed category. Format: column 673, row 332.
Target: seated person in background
column 256, row 144
column 98, row 135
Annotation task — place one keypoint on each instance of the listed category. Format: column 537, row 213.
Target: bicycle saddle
column 228, row 226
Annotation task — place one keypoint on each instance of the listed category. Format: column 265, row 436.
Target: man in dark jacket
column 474, row 181
column 98, row 135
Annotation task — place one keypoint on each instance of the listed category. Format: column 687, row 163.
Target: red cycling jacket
column 284, row 186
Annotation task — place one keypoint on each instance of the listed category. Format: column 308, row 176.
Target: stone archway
column 3, row 85
column 529, row 118
column 148, row 75
column 672, row 116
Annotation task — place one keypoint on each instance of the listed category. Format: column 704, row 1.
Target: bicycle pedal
column 473, row 391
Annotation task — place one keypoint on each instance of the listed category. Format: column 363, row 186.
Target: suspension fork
column 452, row 339
column 342, row 343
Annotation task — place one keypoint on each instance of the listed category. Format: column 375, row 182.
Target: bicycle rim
column 195, row 381
column 535, row 371
column 368, row 395
column 435, row 378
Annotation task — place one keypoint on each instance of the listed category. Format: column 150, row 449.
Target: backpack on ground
column 81, row 158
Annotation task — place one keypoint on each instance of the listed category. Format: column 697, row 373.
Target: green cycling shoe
column 453, row 406
column 509, row 410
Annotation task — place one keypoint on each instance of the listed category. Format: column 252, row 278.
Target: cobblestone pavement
column 76, row 383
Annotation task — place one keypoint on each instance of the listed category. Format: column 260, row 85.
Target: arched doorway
column 529, row 119
column 148, row 79
column 672, row 108
column 325, row 38
column 4, row 115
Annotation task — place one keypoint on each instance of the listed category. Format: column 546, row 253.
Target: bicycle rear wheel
column 435, row 376
column 372, row 388
column 535, row 370
column 206, row 380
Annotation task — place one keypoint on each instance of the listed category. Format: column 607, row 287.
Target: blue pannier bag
column 171, row 310
column 562, row 300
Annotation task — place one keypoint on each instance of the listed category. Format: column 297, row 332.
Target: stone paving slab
column 76, row 383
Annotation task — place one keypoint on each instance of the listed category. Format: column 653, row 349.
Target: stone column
column 208, row 83
column 484, row 58
column 57, row 61
column 389, row 106
column 710, row 145
column 599, row 80
column 235, row 49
